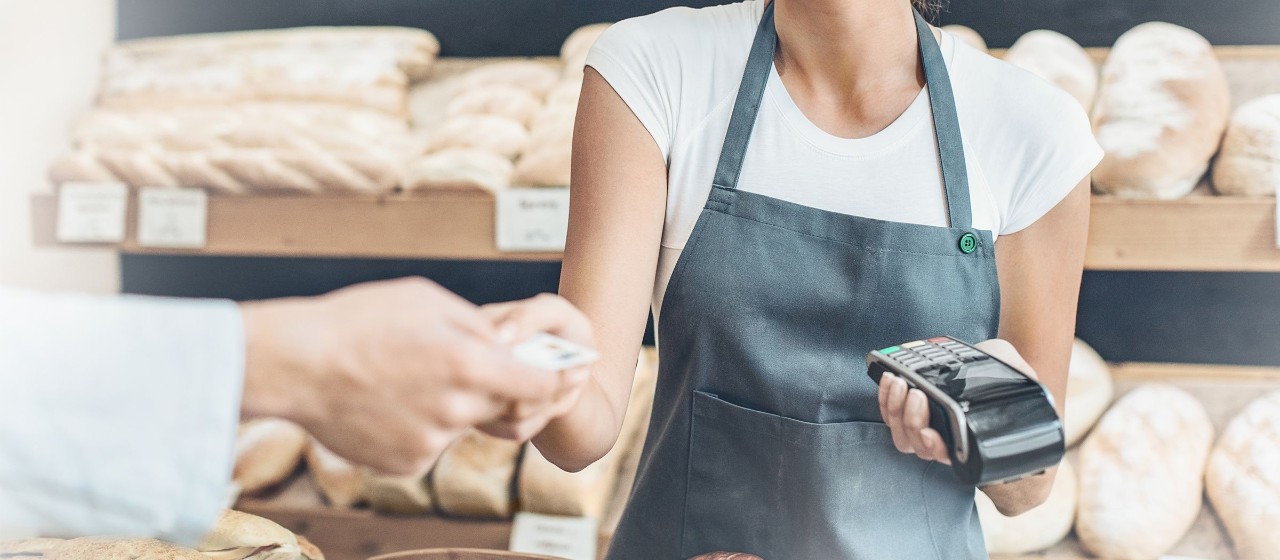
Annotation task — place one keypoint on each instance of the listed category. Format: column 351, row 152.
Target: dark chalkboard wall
column 1182, row 317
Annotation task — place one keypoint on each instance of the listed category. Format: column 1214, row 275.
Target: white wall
column 49, row 52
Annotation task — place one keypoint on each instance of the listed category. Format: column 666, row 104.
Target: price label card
column 91, row 212
column 172, row 218
column 574, row 538
column 532, row 219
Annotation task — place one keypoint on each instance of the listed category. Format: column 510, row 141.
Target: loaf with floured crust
column 1058, row 60
column 462, row 169
column 1243, row 479
column 268, row 450
column 473, row 477
column 1161, row 109
column 1142, row 473
column 1089, row 391
column 1249, row 164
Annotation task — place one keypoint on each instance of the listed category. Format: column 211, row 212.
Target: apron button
column 968, row 243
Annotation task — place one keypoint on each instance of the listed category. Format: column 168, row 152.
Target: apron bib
column 766, row 434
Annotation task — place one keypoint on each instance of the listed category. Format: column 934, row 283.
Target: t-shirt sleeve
column 1051, row 150
column 643, row 73
column 119, row 414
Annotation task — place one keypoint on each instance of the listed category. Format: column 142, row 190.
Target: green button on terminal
column 968, row 243
column 890, row 350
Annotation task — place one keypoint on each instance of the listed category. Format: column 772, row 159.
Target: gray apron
column 766, row 434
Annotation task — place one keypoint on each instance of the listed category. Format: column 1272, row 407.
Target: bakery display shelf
column 1202, row 232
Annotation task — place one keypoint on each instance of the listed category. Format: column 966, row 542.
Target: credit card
column 553, row 353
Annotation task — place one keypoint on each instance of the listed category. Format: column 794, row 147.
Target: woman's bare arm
column 618, row 204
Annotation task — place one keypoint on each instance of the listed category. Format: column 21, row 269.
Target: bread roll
column 1089, row 391
column 1142, row 473
column 508, row 101
column 1058, row 60
column 238, row 536
column 492, row 133
column 1249, row 164
column 459, row 169
column 967, row 35
column 574, row 51
column 1038, row 529
column 544, row 488
column 473, row 478
column 535, row 77
column 1160, row 112
column 100, row 548
column 397, row 494
column 268, row 450
column 1243, row 479
column 338, row 479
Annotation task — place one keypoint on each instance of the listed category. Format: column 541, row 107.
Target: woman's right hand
column 906, row 412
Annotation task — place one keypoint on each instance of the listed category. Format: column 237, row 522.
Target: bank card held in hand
column 553, row 353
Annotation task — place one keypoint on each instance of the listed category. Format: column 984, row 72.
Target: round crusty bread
column 238, row 535
column 1249, row 163
column 574, row 51
column 1160, row 113
column 503, row 100
column 1243, row 479
column 268, row 450
column 459, row 169
column 1058, row 60
column 967, row 36
column 500, row 135
column 1089, row 391
column 473, row 477
column 338, row 479
column 1038, row 529
column 1142, row 472
column 98, row 548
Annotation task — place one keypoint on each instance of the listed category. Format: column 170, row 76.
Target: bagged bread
column 1058, row 60
column 1243, row 479
column 967, row 35
column 544, row 488
column 574, row 51
column 268, row 450
column 407, row 495
column 508, row 101
column 473, row 477
column 241, row 536
column 1089, row 391
column 1249, row 163
column 339, row 480
column 102, row 548
column 1142, row 473
column 499, row 135
column 1160, row 113
column 1038, row 529
column 459, row 169
column 535, row 77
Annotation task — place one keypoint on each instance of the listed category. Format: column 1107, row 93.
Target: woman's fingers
column 891, row 406
column 915, row 419
column 937, row 447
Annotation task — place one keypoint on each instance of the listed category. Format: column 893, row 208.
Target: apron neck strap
column 946, row 123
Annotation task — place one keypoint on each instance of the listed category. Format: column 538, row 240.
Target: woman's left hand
column 906, row 411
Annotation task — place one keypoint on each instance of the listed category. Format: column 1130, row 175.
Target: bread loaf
column 967, row 35
column 544, row 488
column 238, row 535
column 1249, row 164
column 1160, row 112
column 492, row 133
column 473, row 477
column 548, row 160
column 535, row 77
column 1089, row 391
column 1243, row 479
column 1038, row 529
column 1142, row 472
column 101, row 548
column 574, row 51
column 268, row 450
column 459, row 169
column 338, row 479
column 508, row 101
column 566, row 93
column 397, row 494
column 1058, row 60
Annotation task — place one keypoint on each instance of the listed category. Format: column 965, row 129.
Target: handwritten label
column 574, row 538
column 172, row 218
column 91, row 212
column 532, row 219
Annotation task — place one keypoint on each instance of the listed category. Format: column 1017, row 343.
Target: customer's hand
column 386, row 374
column 517, row 321
column 906, row 411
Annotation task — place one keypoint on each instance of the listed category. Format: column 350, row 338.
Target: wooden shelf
column 1200, row 233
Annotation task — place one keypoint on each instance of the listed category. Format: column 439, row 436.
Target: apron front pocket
column 783, row 488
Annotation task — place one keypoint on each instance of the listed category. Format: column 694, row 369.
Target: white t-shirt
column 1027, row 143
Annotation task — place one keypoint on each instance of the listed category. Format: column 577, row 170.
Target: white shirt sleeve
column 631, row 57
column 117, row 415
